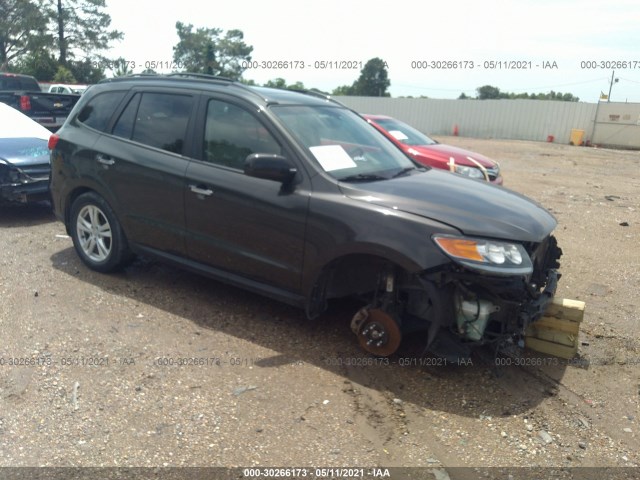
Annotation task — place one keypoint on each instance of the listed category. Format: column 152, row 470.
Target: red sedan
column 427, row 151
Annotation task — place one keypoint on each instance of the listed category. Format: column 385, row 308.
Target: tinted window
column 98, row 111
column 232, row 133
column 161, row 120
column 10, row 82
column 124, row 125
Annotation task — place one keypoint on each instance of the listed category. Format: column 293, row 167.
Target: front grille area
column 36, row 173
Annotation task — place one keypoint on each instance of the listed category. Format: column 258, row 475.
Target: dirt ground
column 158, row 367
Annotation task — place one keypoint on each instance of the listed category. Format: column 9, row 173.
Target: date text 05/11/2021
column 318, row 473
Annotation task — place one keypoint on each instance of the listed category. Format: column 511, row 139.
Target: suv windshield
column 344, row 144
column 404, row 133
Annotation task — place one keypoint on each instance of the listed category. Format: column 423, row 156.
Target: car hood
column 14, row 124
column 21, row 152
column 443, row 152
column 474, row 207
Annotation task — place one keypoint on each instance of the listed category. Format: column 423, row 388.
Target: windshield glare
column 404, row 133
column 344, row 144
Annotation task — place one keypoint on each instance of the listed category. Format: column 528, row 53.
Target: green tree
column 207, row 50
column 63, row 75
column 81, row 26
column 276, row 83
column 345, row 90
column 23, row 30
column 568, row 97
column 373, row 80
column 282, row 83
column 122, row 68
column 488, row 92
column 87, row 70
column 232, row 53
column 39, row 64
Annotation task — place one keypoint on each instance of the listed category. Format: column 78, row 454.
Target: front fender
column 347, row 227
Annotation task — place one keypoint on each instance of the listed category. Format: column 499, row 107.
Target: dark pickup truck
column 23, row 93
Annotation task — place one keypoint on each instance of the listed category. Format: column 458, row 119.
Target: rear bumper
column 50, row 123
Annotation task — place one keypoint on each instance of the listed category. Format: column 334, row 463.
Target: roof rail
column 229, row 81
column 317, row 93
column 206, row 76
column 202, row 76
column 130, row 75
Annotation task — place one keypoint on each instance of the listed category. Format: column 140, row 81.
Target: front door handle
column 105, row 159
column 201, row 191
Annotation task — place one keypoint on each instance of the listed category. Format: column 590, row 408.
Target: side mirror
column 269, row 166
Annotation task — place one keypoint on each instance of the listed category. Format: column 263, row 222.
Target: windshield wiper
column 363, row 177
column 404, row 171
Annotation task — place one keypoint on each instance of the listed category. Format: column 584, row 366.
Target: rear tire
column 97, row 235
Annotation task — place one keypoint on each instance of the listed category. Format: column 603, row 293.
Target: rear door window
column 156, row 119
column 124, row 126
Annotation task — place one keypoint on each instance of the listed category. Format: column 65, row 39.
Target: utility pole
column 611, row 85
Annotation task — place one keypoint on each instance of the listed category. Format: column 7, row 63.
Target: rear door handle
column 201, row 191
column 105, row 159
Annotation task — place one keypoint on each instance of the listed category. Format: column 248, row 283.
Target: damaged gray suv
column 296, row 197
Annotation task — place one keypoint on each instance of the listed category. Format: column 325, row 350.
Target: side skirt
column 223, row 276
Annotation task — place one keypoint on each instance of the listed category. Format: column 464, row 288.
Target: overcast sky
column 530, row 33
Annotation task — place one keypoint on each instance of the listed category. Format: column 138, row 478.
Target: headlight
column 491, row 256
column 472, row 172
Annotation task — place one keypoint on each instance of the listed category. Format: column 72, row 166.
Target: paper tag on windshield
column 398, row 135
column 332, row 157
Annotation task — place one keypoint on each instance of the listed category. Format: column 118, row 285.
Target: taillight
column 25, row 102
column 53, row 141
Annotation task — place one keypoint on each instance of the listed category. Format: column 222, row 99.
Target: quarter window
column 232, row 133
column 97, row 113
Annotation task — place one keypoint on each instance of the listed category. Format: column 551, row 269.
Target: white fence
column 538, row 120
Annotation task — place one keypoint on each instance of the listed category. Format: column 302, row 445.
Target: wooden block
column 556, row 333
column 566, row 309
column 551, row 348
column 553, row 335
column 552, row 323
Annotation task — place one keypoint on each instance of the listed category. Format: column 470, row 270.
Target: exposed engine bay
column 460, row 308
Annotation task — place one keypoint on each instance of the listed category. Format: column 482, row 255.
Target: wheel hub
column 378, row 333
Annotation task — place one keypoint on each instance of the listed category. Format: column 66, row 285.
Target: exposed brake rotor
column 378, row 333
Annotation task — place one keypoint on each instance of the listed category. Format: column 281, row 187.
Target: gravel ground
column 157, row 367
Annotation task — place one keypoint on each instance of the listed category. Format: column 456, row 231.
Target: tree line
column 65, row 41
column 488, row 92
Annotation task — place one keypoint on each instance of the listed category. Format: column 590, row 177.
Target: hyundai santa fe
column 296, row 197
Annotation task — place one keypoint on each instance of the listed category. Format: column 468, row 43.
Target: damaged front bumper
column 468, row 308
column 25, row 184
